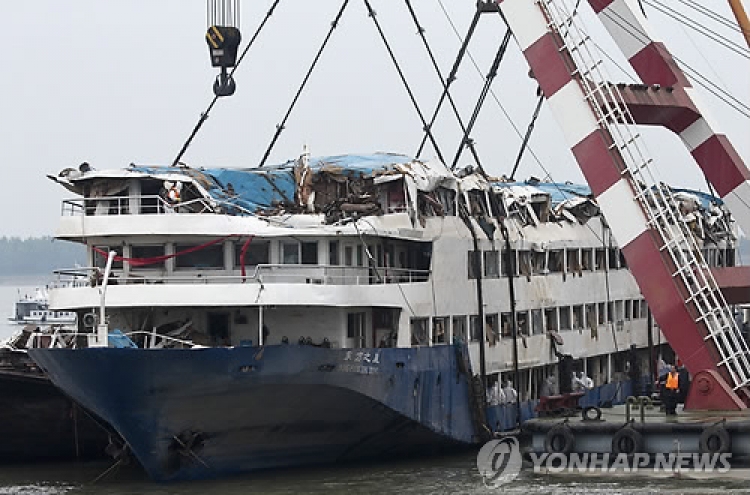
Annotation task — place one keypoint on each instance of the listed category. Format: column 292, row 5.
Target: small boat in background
column 34, row 309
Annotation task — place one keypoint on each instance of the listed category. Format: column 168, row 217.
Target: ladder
column 679, row 248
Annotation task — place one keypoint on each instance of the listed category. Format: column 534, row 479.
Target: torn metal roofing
column 558, row 192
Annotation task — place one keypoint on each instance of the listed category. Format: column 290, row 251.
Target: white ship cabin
column 362, row 251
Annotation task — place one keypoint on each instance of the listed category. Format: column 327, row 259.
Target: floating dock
column 640, row 427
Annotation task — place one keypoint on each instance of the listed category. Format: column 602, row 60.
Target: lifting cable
column 700, row 28
column 280, row 127
column 451, row 78
column 526, row 138
column 425, row 126
column 204, row 115
column 482, row 96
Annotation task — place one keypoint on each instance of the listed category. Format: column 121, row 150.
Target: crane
column 599, row 119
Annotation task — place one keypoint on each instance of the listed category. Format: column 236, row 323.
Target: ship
column 339, row 308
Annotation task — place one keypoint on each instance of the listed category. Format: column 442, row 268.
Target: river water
column 448, row 474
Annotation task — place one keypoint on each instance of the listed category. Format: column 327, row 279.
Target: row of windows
column 201, row 256
column 531, row 322
column 526, row 262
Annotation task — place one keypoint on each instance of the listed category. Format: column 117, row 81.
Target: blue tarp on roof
column 262, row 188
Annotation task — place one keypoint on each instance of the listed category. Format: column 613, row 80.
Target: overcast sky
column 117, row 82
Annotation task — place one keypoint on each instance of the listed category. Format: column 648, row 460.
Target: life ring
column 591, row 413
column 627, row 441
column 715, row 440
column 559, row 440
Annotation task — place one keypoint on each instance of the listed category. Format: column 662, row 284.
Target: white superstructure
column 364, row 251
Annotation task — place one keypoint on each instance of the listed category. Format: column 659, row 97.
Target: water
column 449, row 474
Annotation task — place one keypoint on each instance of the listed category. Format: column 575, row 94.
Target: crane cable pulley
column 223, row 37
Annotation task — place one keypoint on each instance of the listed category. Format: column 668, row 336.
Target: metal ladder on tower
column 701, row 293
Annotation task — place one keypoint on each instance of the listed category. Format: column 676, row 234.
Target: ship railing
column 70, row 339
column 265, row 273
column 154, row 340
column 132, row 205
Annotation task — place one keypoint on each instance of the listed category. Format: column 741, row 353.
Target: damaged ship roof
column 258, row 189
column 558, row 192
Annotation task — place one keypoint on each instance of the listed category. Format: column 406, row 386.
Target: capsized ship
column 337, row 308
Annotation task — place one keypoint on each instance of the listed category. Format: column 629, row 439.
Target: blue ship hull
column 209, row 412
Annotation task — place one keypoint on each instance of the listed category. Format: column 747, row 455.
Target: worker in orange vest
column 671, row 392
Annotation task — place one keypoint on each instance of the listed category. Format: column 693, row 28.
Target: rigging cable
column 696, row 26
column 492, row 92
column 444, row 82
column 482, row 97
column 280, row 127
column 452, row 76
column 204, row 115
column 711, row 14
column 526, row 138
column 374, row 17
column 703, row 81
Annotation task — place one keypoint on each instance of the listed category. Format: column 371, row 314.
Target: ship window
column 613, row 258
column 619, row 315
column 537, row 323
column 574, row 261
column 550, row 319
column 419, row 331
column 539, row 259
column 145, row 253
column 506, row 325
column 623, row 261
column 636, row 309
column 628, row 309
column 556, row 259
column 459, row 329
column 100, row 260
column 333, row 253
column 524, row 263
column 512, row 266
column 355, row 328
column 601, row 310
column 491, row 328
column 290, row 253
column 348, row 256
column 474, row 262
column 730, row 257
column 255, row 254
column 309, row 253
column 610, row 312
column 474, row 328
column 601, row 259
column 644, row 309
column 360, row 257
column 578, row 321
column 439, row 330
column 491, row 264
column 565, row 318
column 587, row 261
column 207, row 257
column 522, row 318
column 591, row 316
